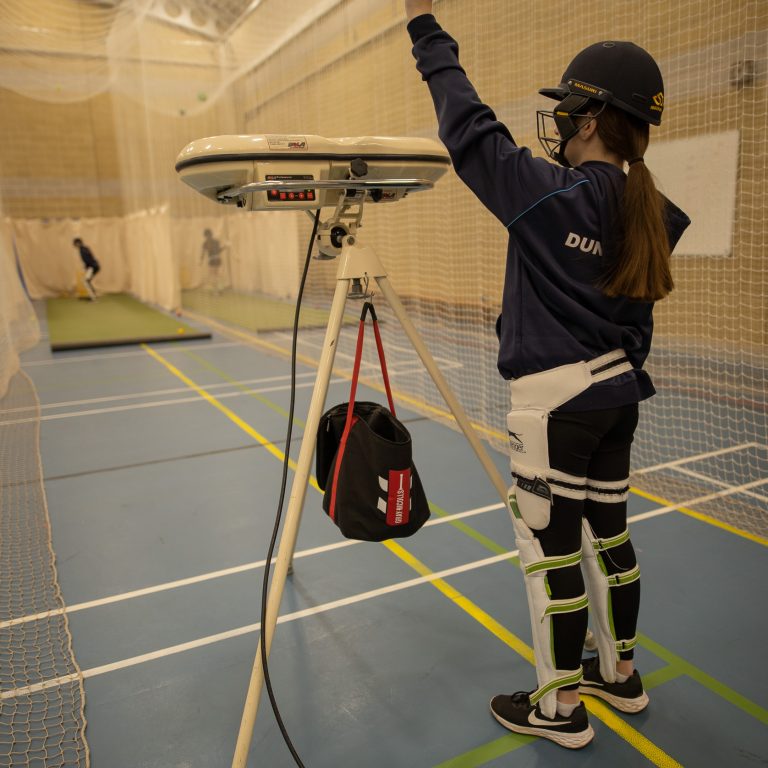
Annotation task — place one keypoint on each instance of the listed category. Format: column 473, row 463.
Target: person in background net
column 588, row 255
column 212, row 251
column 92, row 267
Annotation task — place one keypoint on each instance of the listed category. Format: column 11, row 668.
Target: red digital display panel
column 278, row 195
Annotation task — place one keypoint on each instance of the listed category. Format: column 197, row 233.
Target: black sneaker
column 518, row 714
column 627, row 697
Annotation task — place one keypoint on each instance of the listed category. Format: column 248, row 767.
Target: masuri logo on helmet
column 618, row 73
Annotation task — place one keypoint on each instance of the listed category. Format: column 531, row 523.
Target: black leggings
column 595, row 445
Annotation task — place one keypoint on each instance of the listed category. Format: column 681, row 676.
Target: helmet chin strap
column 559, row 154
column 563, row 116
column 567, row 125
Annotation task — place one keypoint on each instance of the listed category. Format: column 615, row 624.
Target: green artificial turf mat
column 111, row 320
column 254, row 313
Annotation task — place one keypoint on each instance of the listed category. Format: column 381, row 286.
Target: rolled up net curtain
column 19, row 329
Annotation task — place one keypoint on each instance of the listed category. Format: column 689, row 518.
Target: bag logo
column 398, row 501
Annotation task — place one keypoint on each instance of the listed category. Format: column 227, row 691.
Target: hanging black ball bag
column 364, row 463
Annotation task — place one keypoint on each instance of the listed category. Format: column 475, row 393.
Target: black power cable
column 279, row 515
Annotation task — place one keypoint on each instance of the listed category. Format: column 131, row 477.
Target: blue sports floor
column 162, row 501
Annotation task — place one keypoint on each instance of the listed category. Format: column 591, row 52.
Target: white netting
column 99, row 96
column 170, row 71
column 446, row 254
column 18, row 325
column 42, row 721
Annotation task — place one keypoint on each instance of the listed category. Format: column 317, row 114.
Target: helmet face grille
column 620, row 73
column 557, row 126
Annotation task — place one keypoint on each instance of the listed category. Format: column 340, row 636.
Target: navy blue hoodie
column 561, row 224
column 87, row 257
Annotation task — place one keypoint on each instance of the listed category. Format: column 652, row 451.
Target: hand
column 414, row 8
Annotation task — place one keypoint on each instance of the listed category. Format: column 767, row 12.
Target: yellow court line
column 704, row 518
column 253, row 340
column 633, row 737
column 419, row 405
column 229, row 413
column 244, row 389
column 477, row 613
column 643, row 745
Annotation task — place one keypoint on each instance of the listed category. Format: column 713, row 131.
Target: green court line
column 709, row 682
column 661, row 676
column 487, row 752
column 677, row 666
column 483, row 754
column 469, row 531
column 271, row 404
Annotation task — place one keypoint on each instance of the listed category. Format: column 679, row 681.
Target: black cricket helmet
column 618, row 73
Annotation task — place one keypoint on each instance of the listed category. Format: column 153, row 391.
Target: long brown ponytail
column 641, row 268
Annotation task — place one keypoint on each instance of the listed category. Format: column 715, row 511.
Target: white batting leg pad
column 542, row 608
column 599, row 584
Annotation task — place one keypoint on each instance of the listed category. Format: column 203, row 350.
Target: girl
column 588, row 255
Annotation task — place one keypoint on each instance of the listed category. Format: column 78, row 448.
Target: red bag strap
column 367, row 307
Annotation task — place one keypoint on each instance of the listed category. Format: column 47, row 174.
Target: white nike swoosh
column 533, row 720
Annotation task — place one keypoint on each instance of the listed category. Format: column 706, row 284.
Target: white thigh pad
column 529, row 461
column 532, row 399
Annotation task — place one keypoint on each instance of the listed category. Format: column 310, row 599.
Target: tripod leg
column 292, row 520
column 445, row 390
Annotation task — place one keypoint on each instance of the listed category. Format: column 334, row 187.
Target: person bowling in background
column 92, row 267
column 212, row 251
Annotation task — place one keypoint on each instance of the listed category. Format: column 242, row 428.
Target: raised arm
column 414, row 8
column 506, row 178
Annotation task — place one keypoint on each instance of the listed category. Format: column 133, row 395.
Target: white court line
column 158, row 403
column 730, row 491
column 133, row 353
column 707, row 478
column 157, row 392
column 441, row 362
column 360, row 597
column 180, row 400
column 238, row 631
column 252, row 341
column 221, row 573
column 697, row 457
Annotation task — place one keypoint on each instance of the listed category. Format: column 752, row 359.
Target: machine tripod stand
column 301, row 172
column 358, row 263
